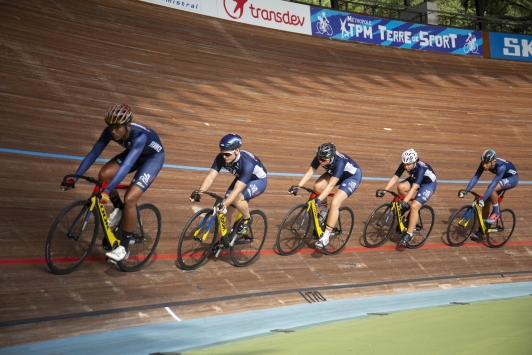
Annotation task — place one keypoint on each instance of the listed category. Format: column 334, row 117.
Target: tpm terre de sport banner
column 510, row 46
column 365, row 29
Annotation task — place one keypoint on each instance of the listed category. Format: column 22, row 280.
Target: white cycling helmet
column 409, row 156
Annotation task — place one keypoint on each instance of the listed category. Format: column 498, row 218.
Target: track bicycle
column 467, row 219
column 381, row 222
column 295, row 227
column 206, row 232
column 75, row 230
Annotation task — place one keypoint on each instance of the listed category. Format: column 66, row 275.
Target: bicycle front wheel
column 293, row 230
column 145, row 238
column 379, row 225
column 341, row 232
column 71, row 237
column 246, row 247
column 505, row 227
column 197, row 239
column 461, row 225
column 423, row 227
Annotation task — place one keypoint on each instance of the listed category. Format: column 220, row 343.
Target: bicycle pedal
column 110, row 261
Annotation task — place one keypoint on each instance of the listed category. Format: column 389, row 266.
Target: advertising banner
column 510, row 46
column 365, row 29
column 280, row 15
column 186, row 5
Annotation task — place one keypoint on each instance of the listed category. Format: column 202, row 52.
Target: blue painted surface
column 194, row 333
column 185, row 167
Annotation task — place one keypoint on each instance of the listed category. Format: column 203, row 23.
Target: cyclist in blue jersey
column 340, row 170
column 506, row 178
column 250, row 180
column 143, row 153
column 421, row 183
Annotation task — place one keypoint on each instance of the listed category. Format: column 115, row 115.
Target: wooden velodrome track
column 193, row 79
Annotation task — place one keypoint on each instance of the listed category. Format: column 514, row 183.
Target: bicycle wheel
column 197, row 239
column 379, row 225
column 461, row 225
column 423, row 227
column 505, row 227
column 246, row 247
column 341, row 232
column 71, row 237
column 145, row 238
column 293, row 230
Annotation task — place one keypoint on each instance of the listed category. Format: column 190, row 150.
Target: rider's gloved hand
column 221, row 208
column 293, row 191
column 481, row 203
column 462, row 194
column 68, row 184
column 405, row 206
column 318, row 202
column 195, row 197
column 380, row 194
column 105, row 198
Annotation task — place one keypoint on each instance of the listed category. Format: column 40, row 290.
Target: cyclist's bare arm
column 392, row 182
column 307, row 176
column 207, row 182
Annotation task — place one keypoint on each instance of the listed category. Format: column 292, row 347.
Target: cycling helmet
column 409, row 156
column 119, row 114
column 230, row 142
column 488, row 155
column 326, row 151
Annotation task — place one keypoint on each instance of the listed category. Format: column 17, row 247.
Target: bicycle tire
column 246, row 248
column 293, row 230
column 461, row 225
column 191, row 250
column 506, row 219
column 379, row 225
column 145, row 238
column 68, row 243
column 342, row 231
column 423, row 227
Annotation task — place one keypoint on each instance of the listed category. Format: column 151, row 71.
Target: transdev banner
column 510, row 46
column 365, row 29
column 280, row 15
column 186, row 5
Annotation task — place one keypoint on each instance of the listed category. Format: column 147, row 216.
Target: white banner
column 186, row 5
column 280, row 15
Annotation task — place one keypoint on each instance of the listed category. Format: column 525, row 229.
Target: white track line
column 172, row 314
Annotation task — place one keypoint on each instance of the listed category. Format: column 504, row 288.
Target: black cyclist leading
column 506, row 178
column 421, row 183
column 250, row 181
column 143, row 153
column 341, row 171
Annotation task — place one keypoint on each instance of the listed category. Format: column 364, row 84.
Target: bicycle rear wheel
column 379, row 225
column 505, row 227
column 197, row 239
column 145, row 238
column 246, row 247
column 461, row 225
column 71, row 237
column 341, row 232
column 293, row 230
column 423, row 227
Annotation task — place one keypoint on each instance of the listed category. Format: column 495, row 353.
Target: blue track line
column 197, row 168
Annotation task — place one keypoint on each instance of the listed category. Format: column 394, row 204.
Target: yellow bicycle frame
column 398, row 213
column 113, row 241
column 221, row 223
column 311, row 207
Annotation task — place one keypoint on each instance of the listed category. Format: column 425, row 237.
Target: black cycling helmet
column 326, row 151
column 119, row 114
column 488, row 155
column 230, row 142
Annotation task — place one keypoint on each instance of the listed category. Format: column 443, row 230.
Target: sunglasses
column 324, row 160
column 227, row 154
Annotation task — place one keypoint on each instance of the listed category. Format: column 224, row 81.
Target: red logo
column 238, row 10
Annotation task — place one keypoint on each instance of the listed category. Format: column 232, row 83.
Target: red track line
column 269, row 252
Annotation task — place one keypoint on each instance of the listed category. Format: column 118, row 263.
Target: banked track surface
column 193, row 79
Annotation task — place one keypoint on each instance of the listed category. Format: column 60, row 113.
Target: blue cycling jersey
column 341, row 166
column 246, row 167
column 422, row 173
column 142, row 141
column 502, row 169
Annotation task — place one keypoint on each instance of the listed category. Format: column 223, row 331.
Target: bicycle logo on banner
column 323, row 26
column 471, row 45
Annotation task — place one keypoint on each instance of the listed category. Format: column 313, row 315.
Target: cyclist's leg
column 424, row 193
column 108, row 171
column 321, row 183
column 346, row 188
column 253, row 189
column 404, row 186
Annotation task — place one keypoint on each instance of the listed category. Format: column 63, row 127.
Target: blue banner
column 365, row 29
column 510, row 46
